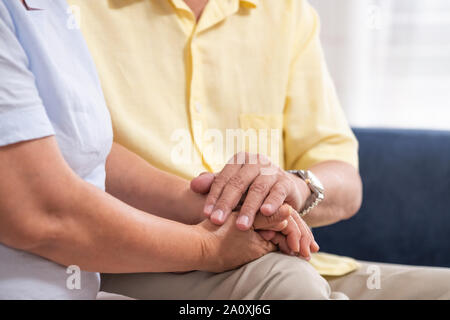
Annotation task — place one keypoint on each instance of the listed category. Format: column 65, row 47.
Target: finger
column 202, row 183
column 275, row 222
column 277, row 227
column 220, row 180
column 314, row 247
column 267, row 234
column 305, row 243
column 307, row 239
column 280, row 240
column 257, row 192
column 232, row 192
column 275, row 199
column 293, row 235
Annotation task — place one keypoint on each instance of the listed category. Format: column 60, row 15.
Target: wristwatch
column 316, row 187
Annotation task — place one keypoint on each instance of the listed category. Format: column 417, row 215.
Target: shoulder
column 291, row 8
column 296, row 15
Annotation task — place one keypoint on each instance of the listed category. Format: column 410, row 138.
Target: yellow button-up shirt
column 249, row 75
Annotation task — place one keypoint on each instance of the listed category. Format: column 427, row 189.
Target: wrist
column 303, row 189
column 203, row 247
column 193, row 205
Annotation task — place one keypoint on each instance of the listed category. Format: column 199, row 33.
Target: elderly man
column 199, row 68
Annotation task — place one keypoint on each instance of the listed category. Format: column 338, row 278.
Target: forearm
column 343, row 193
column 100, row 233
column 46, row 209
column 137, row 183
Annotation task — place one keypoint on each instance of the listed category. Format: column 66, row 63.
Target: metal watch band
column 317, row 194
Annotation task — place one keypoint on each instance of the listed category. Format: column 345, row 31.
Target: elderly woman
column 56, row 159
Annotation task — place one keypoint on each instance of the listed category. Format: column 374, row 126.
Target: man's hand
column 225, row 247
column 267, row 187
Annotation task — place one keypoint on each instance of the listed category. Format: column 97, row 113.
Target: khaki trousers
column 277, row 276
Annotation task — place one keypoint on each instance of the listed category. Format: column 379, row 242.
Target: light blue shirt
column 49, row 86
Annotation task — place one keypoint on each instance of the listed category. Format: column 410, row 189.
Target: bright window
column 390, row 60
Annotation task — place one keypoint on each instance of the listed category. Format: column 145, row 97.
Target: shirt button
column 198, row 107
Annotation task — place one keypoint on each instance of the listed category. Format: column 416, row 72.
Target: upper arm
column 316, row 129
column 32, row 170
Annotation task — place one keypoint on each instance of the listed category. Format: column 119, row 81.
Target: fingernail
column 217, row 215
column 208, row 209
column 243, row 221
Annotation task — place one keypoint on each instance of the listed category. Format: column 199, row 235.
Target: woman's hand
column 226, row 247
column 295, row 238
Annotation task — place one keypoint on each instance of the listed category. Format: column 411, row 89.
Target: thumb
column 276, row 222
column 202, row 183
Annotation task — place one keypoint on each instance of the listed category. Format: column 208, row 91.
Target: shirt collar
column 117, row 4
column 249, row 3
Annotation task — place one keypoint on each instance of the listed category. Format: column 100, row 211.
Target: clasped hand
column 258, row 190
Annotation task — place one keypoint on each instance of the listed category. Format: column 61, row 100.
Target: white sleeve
column 22, row 114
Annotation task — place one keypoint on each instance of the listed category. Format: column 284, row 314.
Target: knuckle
column 259, row 187
column 279, row 191
column 212, row 197
column 219, row 181
column 286, row 181
column 236, row 182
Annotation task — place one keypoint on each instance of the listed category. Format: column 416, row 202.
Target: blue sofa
column 405, row 216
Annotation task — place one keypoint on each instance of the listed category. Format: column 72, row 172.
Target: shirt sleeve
column 22, row 114
column 316, row 129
